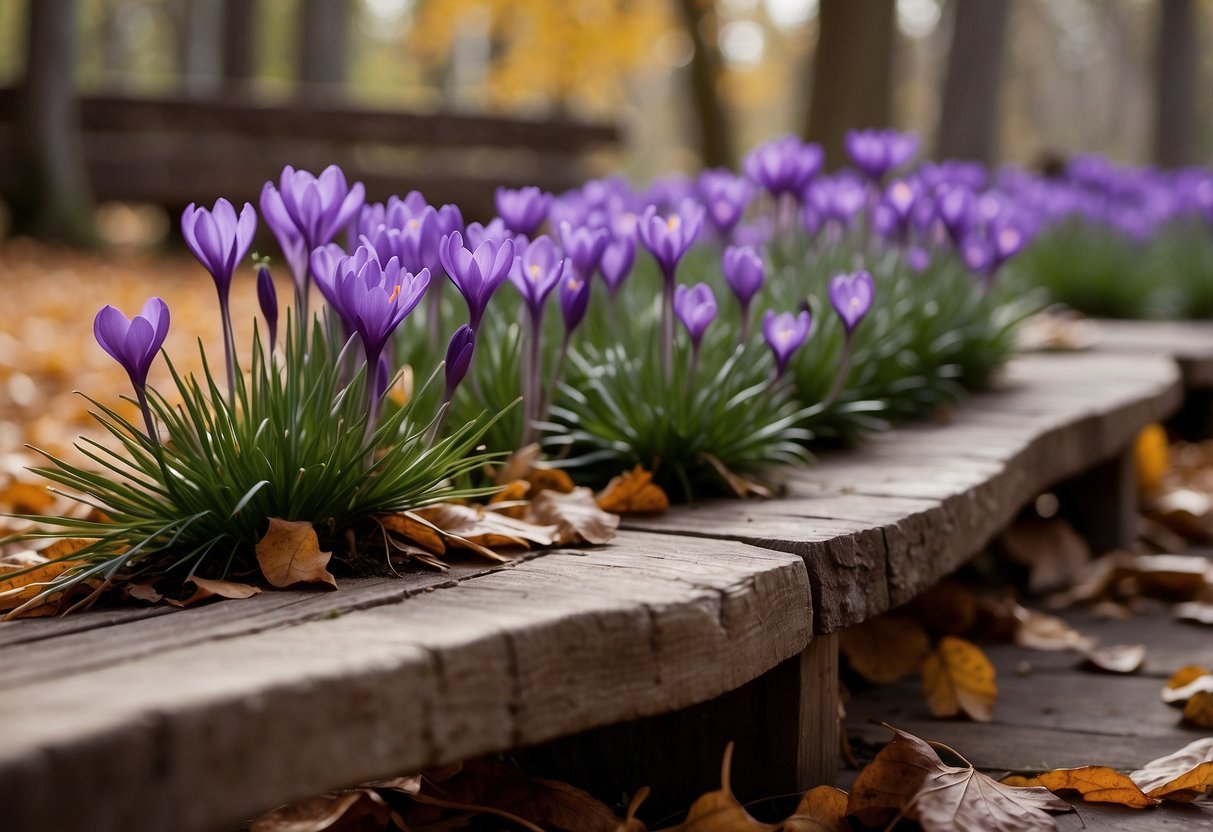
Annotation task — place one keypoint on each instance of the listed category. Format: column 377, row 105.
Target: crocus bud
column 696, row 308
column 851, row 297
column 267, row 297
column 743, row 271
column 459, row 358
column 784, row 334
column 133, row 343
column 574, row 299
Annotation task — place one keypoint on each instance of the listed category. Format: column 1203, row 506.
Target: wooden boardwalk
column 193, row 719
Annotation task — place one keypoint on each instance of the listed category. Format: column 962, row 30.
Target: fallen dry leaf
column 461, row 525
column 352, row 810
column 27, row 583
column 630, row 822
column 719, row 811
column 289, row 554
column 1117, row 658
column 1199, row 710
column 207, row 589
column 25, row 498
column 1097, row 784
column 576, row 516
column 1150, row 455
column 549, row 479
column 1055, row 554
column 1175, row 577
column 907, row 778
column 633, row 492
column 821, row 809
column 884, row 649
column 739, row 485
column 410, row 528
column 1185, row 683
column 946, row 609
column 143, row 591
column 514, row 495
column 1188, row 786
column 1020, row 780
column 1162, row 775
column 958, row 678
column 1196, row 612
column 1040, row 631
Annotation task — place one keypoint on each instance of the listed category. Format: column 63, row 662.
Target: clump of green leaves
column 296, row 442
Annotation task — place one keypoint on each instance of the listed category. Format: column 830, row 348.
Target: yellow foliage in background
column 547, row 52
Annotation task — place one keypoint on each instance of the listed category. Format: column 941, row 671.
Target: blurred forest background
column 685, row 82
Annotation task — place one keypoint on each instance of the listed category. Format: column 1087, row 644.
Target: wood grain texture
column 879, row 524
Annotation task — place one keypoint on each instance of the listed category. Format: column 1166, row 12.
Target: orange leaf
column 821, row 809
column 1199, row 710
column 21, row 588
column 549, row 479
column 290, row 554
column 959, row 678
column 515, row 492
column 207, row 589
column 1097, row 784
column 1186, row 683
column 1161, row 777
column 411, row 529
column 633, row 492
column 1150, row 455
column 24, row 498
column 885, row 648
column 719, row 811
column 1188, row 786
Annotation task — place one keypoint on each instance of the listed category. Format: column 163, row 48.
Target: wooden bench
column 173, row 151
column 627, row 665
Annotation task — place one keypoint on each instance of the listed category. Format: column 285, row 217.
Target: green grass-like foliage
column 294, row 444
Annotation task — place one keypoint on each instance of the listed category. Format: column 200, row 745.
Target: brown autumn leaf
column 739, row 485
column 1185, row 683
column 143, row 591
column 410, row 528
column 351, row 810
column 207, row 589
column 25, row 498
column 482, row 530
column 821, row 809
column 1020, row 780
column 19, row 589
column 517, row 465
column 1162, row 777
column 1199, row 710
column 1173, row 577
column 289, row 554
column 1040, row 631
column 514, row 497
column 958, row 678
column 630, row 822
column 908, row 779
column 494, row 788
column 947, row 609
column 885, row 648
column 720, row 811
column 633, row 492
column 1053, row 552
column 576, row 516
column 549, row 479
column 1117, row 658
column 1097, row 784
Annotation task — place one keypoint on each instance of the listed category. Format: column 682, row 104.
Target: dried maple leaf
column 887, row 785
column 1097, row 784
column 1117, row 658
column 1156, row 774
column 821, row 809
column 1199, row 710
column 351, row 810
column 576, row 516
column 720, row 811
column 206, row 589
column 289, row 554
column 633, row 492
column 885, row 648
column 959, row 678
column 964, row 798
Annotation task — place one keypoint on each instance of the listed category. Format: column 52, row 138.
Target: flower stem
column 152, row 434
column 228, row 347
column 551, row 394
column 840, row 378
column 435, row 314
column 667, row 325
column 532, row 381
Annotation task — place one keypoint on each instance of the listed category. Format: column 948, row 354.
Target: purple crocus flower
column 784, row 334
column 744, row 272
column 220, row 240
column 307, row 211
column 476, row 274
column 458, row 358
column 324, row 262
column 725, row 197
column 876, row 152
column 954, row 205
column 376, row 297
column 668, row 239
column 696, row 308
column 784, row 165
column 617, row 259
column 536, row 273
column 495, row 230
column 574, row 300
column 583, row 247
column 523, row 210
column 851, row 296
column 134, row 343
column 978, row 254
column 267, row 298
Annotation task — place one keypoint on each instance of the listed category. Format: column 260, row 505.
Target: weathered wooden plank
column 203, row 733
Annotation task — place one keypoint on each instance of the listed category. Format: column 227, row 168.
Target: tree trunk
column 969, row 124
column 53, row 198
column 198, row 51
column 323, row 47
column 715, row 131
column 1176, row 64
column 239, row 56
column 852, row 73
